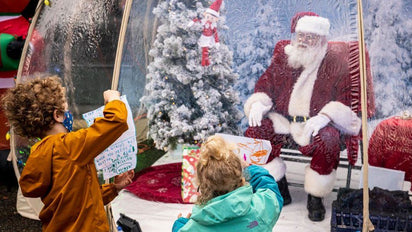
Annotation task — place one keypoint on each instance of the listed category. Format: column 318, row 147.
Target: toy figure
column 209, row 35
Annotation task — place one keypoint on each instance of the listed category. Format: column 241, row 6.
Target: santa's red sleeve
column 345, row 110
column 265, row 87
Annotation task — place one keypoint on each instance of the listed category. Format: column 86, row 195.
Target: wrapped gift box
column 189, row 186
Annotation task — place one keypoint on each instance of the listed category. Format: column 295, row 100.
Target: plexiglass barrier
column 176, row 99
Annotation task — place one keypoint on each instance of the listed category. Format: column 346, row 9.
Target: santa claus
column 309, row 96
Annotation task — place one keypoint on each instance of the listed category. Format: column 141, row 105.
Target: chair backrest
column 351, row 50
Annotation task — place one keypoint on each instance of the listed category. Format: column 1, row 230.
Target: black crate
column 346, row 218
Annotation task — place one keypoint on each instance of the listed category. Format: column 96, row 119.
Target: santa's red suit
column 329, row 86
column 390, row 145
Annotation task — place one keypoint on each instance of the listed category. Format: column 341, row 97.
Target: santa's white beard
column 306, row 56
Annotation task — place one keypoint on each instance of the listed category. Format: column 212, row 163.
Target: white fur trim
column 212, row 12
column 301, row 96
column 257, row 97
column 313, row 24
column 288, row 49
column 342, row 117
column 296, row 130
column 280, row 123
column 318, row 185
column 276, row 168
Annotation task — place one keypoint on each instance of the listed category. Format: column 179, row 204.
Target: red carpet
column 159, row 183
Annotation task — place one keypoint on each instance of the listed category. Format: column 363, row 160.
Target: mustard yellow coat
column 61, row 170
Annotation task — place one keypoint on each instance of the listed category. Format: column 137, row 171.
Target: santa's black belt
column 297, row 118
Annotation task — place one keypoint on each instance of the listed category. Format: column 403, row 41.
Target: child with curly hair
column 60, row 169
column 226, row 202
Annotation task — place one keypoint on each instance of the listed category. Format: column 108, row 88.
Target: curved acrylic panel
column 76, row 41
column 251, row 32
column 248, row 35
column 139, row 37
column 161, row 68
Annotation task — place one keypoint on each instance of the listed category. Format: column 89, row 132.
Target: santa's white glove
column 257, row 110
column 217, row 45
column 314, row 124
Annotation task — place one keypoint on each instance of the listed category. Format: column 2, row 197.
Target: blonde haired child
column 226, row 202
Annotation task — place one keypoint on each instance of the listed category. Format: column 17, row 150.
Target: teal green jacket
column 253, row 207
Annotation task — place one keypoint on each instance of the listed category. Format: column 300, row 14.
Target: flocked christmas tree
column 188, row 102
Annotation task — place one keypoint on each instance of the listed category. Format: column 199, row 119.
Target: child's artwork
column 189, row 187
column 121, row 155
column 251, row 150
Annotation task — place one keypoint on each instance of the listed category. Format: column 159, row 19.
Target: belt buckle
column 303, row 117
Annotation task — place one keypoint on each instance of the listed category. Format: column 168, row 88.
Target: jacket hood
column 36, row 178
column 224, row 208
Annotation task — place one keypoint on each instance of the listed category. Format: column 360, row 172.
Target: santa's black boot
column 315, row 208
column 284, row 190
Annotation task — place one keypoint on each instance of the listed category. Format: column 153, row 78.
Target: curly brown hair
column 29, row 106
column 218, row 170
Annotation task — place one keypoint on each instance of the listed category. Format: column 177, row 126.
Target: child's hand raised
column 123, row 180
column 110, row 95
column 188, row 215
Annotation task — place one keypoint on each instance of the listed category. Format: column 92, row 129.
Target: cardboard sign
column 251, row 150
column 121, row 155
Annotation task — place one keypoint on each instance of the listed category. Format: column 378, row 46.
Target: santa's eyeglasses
column 307, row 36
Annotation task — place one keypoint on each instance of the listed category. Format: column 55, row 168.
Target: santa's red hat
column 298, row 16
column 214, row 8
column 313, row 24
